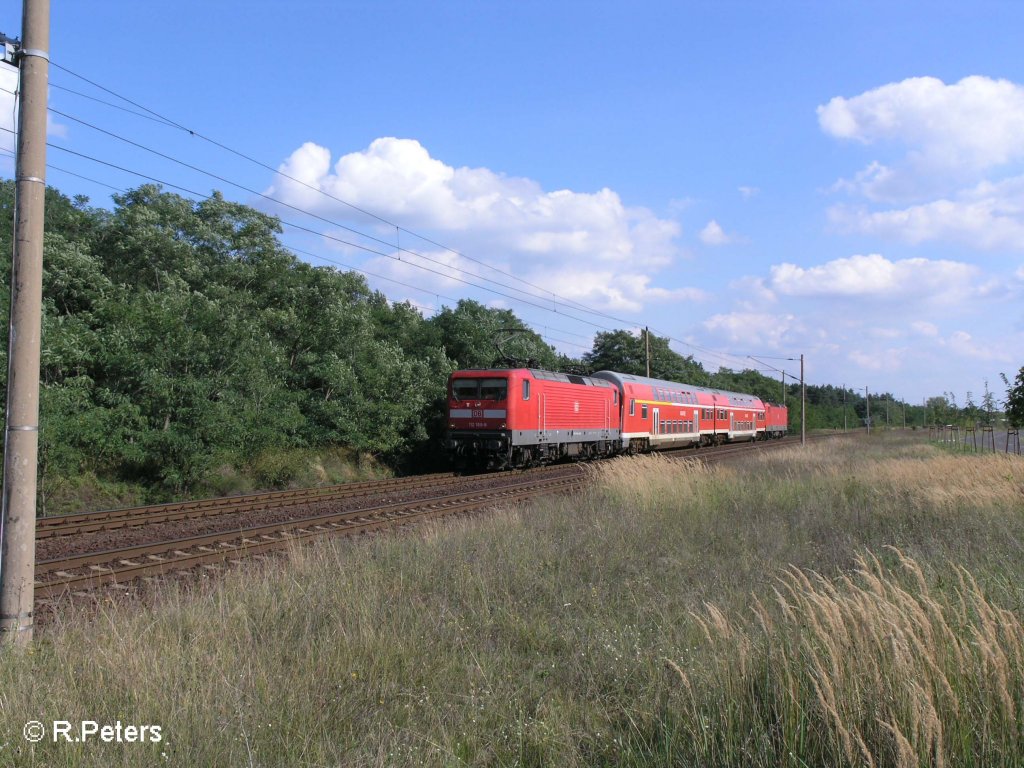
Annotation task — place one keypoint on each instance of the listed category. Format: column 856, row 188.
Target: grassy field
column 857, row 602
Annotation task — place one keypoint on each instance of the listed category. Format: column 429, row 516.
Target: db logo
column 478, row 414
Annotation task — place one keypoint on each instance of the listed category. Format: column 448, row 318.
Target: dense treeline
column 180, row 338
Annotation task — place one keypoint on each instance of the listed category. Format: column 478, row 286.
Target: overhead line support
column 21, row 437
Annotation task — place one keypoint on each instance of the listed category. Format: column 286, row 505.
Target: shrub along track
column 84, row 551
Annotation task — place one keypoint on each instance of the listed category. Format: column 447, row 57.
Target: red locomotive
column 503, row 418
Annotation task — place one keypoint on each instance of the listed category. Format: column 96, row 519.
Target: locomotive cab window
column 465, row 389
column 526, row 389
column 643, row 410
column 494, row 389
column 632, row 407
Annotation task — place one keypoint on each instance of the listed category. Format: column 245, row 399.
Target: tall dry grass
column 822, row 606
column 875, row 668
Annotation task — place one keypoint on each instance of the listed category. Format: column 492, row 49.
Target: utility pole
column 783, row 387
column 844, row 408
column 803, row 404
column 867, row 397
column 21, row 439
column 647, row 346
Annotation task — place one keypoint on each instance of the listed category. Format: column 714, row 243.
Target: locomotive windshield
column 480, row 389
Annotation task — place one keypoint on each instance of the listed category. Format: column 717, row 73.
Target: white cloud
column 934, row 141
column 872, row 276
column 714, row 235
column 397, row 178
column 9, row 115
column 750, row 291
column 885, row 333
column 987, row 216
column 976, row 123
column 748, row 192
column 887, row 360
column 755, row 330
column 924, row 328
column 963, row 344
column 8, row 83
column 617, row 291
column 565, row 240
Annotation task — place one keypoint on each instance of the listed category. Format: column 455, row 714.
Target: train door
column 656, row 427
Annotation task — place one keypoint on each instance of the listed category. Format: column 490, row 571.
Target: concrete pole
column 844, row 408
column 647, row 347
column 867, row 397
column 803, row 405
column 21, row 440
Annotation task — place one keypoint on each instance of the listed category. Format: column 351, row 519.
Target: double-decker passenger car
column 500, row 418
column 666, row 414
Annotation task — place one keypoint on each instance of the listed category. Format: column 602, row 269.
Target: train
column 510, row 418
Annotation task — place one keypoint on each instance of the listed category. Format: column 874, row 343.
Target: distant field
column 855, row 602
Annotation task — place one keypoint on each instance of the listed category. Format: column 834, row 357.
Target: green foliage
column 623, row 352
column 1015, row 400
column 181, row 337
column 475, row 336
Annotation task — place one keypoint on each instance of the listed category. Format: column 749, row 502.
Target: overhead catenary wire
column 318, row 233
column 724, row 356
column 321, row 257
column 196, row 134
column 359, row 233
column 730, row 359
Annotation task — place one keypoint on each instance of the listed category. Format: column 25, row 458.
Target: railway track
column 93, row 569
column 113, row 519
column 83, row 570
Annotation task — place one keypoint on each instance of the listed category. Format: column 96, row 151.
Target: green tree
column 475, row 336
column 988, row 406
column 1015, row 400
column 623, row 352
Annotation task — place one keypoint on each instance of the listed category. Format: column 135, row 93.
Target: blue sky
column 840, row 180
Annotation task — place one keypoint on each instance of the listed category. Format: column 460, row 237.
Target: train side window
column 526, row 389
column 643, row 410
column 615, row 397
column 632, row 407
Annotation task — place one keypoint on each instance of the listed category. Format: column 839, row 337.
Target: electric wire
column 727, row 357
column 157, row 117
column 305, row 212
column 167, row 121
column 359, row 246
